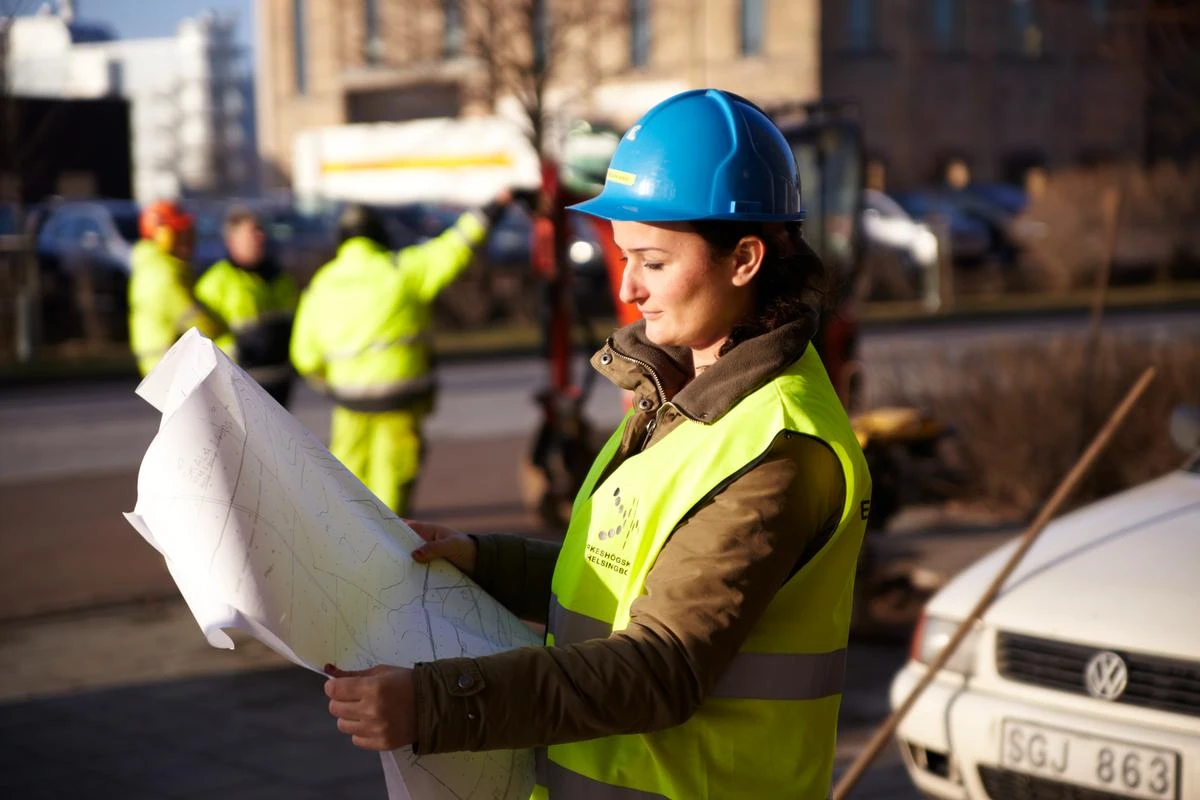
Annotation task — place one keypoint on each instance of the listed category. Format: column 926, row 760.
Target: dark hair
column 240, row 215
column 790, row 284
column 361, row 220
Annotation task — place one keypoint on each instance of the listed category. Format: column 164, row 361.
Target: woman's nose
column 632, row 290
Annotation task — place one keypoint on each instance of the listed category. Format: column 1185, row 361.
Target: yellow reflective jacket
column 258, row 312
column 161, row 305
column 362, row 327
column 769, row 726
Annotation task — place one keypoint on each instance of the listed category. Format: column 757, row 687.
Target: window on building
column 860, row 24
column 948, row 25
column 753, row 20
column 639, row 32
column 373, row 42
column 299, row 60
column 1026, row 29
column 453, row 31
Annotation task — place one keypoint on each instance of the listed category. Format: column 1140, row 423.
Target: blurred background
column 1008, row 192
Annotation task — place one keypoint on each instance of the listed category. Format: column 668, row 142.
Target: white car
column 888, row 226
column 1082, row 680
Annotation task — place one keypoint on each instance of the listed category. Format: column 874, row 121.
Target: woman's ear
column 748, row 257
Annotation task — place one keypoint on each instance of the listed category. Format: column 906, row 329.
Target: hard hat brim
column 625, row 211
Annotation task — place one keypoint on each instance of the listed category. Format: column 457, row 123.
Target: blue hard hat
column 703, row 154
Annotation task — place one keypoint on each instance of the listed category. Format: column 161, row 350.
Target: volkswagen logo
column 1106, row 676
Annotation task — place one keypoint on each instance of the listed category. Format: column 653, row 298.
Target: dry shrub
column 1064, row 231
column 1024, row 411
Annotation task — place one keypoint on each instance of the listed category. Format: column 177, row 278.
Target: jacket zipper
column 652, row 425
column 658, row 387
column 662, row 393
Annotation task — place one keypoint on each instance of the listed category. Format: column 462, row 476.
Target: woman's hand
column 442, row 542
column 374, row 706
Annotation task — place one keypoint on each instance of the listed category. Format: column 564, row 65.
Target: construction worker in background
column 161, row 304
column 362, row 336
column 256, row 300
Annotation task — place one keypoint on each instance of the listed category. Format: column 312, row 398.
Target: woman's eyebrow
column 647, row 250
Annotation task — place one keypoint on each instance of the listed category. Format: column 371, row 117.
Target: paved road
column 153, row 712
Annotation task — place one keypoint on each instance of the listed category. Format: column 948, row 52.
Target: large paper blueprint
column 264, row 531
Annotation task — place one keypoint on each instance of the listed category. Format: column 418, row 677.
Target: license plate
column 1121, row 768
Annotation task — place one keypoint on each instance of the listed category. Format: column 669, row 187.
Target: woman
column 697, row 612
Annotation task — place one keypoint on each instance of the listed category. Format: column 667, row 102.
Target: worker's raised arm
column 430, row 267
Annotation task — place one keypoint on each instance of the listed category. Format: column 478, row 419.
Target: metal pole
column 885, row 731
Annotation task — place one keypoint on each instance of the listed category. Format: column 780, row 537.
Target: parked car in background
column 9, row 214
column 1007, row 197
column 978, row 227
column 83, row 250
column 887, row 225
column 900, row 251
column 1082, row 680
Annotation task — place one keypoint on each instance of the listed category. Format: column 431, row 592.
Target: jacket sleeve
column 516, row 571
column 430, row 267
column 177, row 303
column 208, row 292
column 306, row 353
column 709, row 586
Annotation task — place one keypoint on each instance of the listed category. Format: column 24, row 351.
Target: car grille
column 1160, row 683
column 1003, row 784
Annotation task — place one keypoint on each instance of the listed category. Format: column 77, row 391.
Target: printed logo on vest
column 625, row 525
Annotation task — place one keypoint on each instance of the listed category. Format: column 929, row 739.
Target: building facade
column 997, row 85
column 332, row 62
column 190, row 96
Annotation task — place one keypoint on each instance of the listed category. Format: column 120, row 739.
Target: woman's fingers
column 373, row 706
column 370, row 743
column 425, row 530
column 346, row 710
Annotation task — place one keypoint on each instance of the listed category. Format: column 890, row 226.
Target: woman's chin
column 657, row 333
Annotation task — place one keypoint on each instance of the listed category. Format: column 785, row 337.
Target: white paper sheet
column 265, row 531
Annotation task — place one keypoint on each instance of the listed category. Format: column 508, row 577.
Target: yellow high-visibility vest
column 362, row 327
column 161, row 304
column 258, row 312
column 769, row 727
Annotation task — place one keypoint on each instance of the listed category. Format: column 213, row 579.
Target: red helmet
column 163, row 214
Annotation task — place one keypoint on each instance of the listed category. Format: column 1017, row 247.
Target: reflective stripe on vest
column 424, row 338
column 562, row 782
column 749, row 676
column 390, row 396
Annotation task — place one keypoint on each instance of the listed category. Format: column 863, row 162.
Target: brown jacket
column 709, row 585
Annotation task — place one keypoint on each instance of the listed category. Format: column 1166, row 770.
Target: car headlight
column 931, row 637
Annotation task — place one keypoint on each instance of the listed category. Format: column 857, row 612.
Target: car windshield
column 283, row 226
column 127, row 226
column 8, row 220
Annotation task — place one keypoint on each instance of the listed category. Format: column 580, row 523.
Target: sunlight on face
column 687, row 298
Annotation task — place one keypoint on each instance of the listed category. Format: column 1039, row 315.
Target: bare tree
column 540, row 53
